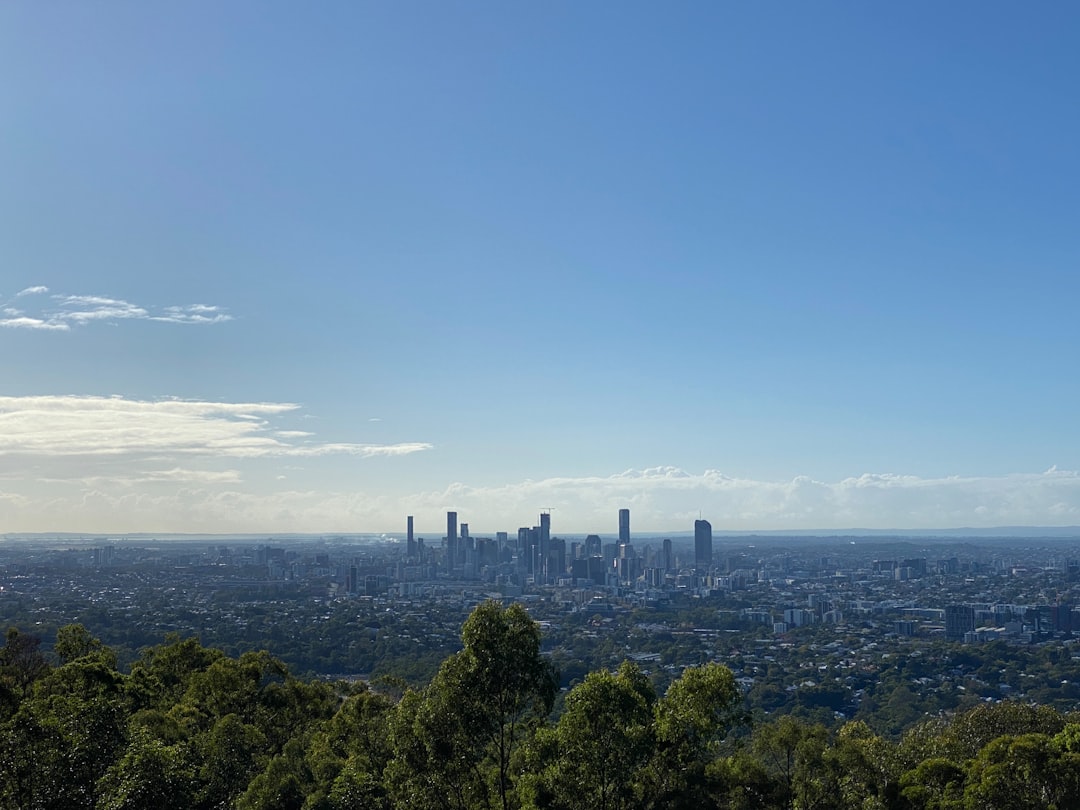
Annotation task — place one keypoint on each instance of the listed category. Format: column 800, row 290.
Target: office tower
column 532, row 545
column 464, row 531
column 702, row 544
column 594, row 546
column 555, row 558
column 451, row 539
column 959, row 620
column 544, row 543
column 624, row 525
column 410, row 541
column 667, row 558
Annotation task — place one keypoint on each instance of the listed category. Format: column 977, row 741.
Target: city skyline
column 272, row 269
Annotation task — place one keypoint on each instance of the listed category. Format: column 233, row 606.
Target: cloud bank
column 661, row 499
column 670, row 499
column 88, row 426
column 60, row 313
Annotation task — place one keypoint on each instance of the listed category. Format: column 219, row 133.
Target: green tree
column 161, row 675
column 691, row 719
column 465, row 728
column 505, row 674
column 21, row 660
column 935, row 784
column 149, row 774
column 228, row 757
column 85, row 701
column 605, row 735
column 1024, row 772
column 75, row 641
column 793, row 754
column 348, row 756
column 282, row 785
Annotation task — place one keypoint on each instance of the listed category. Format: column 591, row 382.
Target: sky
column 280, row 267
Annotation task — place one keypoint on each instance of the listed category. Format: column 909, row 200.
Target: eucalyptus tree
column 455, row 741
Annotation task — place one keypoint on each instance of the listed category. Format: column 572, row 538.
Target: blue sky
column 266, row 267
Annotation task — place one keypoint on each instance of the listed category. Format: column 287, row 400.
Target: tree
column 21, row 660
column 866, row 766
column 230, row 754
column 348, row 756
column 603, row 738
column 505, row 675
column 1024, row 772
column 454, row 742
column 690, row 720
column 149, row 774
column 85, row 702
column 936, row 784
column 75, row 641
column 793, row 753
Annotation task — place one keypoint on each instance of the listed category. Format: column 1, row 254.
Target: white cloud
column 24, row 322
column 195, row 313
column 46, row 427
column 202, row 476
column 660, row 499
column 669, row 499
column 61, row 312
column 364, row 450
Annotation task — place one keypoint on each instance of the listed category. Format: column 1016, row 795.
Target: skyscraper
column 410, row 541
column 702, row 544
column 451, row 539
column 594, row 546
column 544, row 544
column 624, row 525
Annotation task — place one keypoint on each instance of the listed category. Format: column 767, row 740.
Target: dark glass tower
column 451, row 539
column 702, row 544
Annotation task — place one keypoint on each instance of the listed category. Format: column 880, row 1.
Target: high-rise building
column 624, row 525
column 959, row 620
column 544, row 545
column 702, row 544
column 532, row 544
column 667, row 558
column 594, row 546
column 410, row 541
column 451, row 539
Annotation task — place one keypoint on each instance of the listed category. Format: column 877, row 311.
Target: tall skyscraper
column 667, row 557
column 702, row 544
column 451, row 539
column 544, row 544
column 624, row 525
column 410, row 541
column 594, row 546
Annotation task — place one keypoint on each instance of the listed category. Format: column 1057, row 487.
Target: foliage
column 191, row 726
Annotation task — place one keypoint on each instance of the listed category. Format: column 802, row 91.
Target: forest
column 188, row 726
